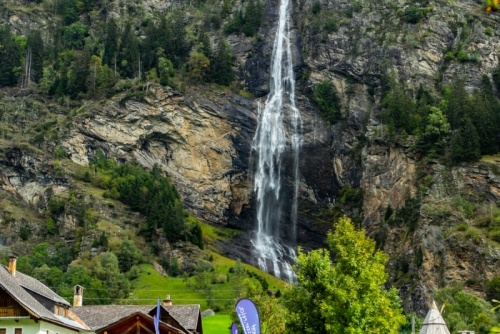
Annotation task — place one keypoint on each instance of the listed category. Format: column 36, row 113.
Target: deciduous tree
column 345, row 295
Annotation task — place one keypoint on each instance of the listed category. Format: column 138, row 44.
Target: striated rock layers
column 416, row 209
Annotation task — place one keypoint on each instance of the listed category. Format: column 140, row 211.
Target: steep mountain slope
column 437, row 220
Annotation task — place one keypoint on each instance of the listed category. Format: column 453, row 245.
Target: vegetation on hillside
column 458, row 126
column 80, row 60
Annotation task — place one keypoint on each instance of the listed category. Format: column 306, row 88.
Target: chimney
column 78, row 296
column 12, row 265
column 167, row 301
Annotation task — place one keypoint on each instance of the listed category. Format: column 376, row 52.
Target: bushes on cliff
column 246, row 21
column 325, row 97
column 150, row 193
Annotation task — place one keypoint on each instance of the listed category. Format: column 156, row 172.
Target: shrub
column 316, row 7
column 325, row 96
column 462, row 56
column 60, row 153
column 494, row 235
column 413, row 14
column 24, row 233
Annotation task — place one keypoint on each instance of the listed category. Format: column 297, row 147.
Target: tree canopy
column 346, row 294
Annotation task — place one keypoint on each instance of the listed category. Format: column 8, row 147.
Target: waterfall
column 278, row 132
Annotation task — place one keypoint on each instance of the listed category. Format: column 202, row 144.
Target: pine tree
column 221, row 64
column 110, row 44
column 465, row 143
column 457, row 106
column 35, row 45
column 253, row 18
column 77, row 75
column 484, row 108
column 10, row 55
column 129, row 55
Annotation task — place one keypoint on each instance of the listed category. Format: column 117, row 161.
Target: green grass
column 150, row 285
column 491, row 158
column 217, row 324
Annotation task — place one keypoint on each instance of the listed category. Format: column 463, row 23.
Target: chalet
column 29, row 307
column 138, row 319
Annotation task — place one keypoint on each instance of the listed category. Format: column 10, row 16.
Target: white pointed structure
column 434, row 322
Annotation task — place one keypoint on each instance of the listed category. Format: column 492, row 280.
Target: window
column 18, row 331
column 3, row 330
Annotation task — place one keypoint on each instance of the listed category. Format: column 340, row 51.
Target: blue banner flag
column 248, row 315
column 156, row 318
column 234, row 329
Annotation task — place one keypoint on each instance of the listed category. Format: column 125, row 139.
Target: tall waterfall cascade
column 276, row 145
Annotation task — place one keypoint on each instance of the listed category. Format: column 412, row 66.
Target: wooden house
column 27, row 306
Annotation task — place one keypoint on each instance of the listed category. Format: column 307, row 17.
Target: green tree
column 105, row 267
column 325, row 96
column 485, row 111
column 10, row 55
column 400, row 110
column 221, row 64
column 464, row 310
column 253, row 17
column 198, row 65
column 271, row 311
column 128, row 254
column 74, row 35
column 110, row 44
column 437, row 125
column 95, row 291
column 346, row 295
column 35, row 44
column 493, row 288
column 129, row 54
column 465, row 143
column 456, row 102
column 166, row 70
column 77, row 74
column 178, row 47
column 48, row 80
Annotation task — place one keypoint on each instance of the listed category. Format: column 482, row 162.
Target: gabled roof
column 147, row 318
column 98, row 317
column 17, row 287
column 434, row 322
column 38, row 287
column 186, row 315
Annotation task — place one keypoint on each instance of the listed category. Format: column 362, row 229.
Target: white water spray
column 270, row 142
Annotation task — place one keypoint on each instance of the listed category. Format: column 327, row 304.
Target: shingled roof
column 101, row 316
column 20, row 286
column 186, row 315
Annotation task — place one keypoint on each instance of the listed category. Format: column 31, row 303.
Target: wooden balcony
column 10, row 312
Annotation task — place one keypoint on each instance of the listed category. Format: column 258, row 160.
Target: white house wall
column 29, row 326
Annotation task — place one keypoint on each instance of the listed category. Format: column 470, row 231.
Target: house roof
column 100, row 316
column 186, row 315
column 434, row 322
column 17, row 286
column 148, row 318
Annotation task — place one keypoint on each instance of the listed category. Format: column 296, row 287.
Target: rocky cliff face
column 202, row 139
